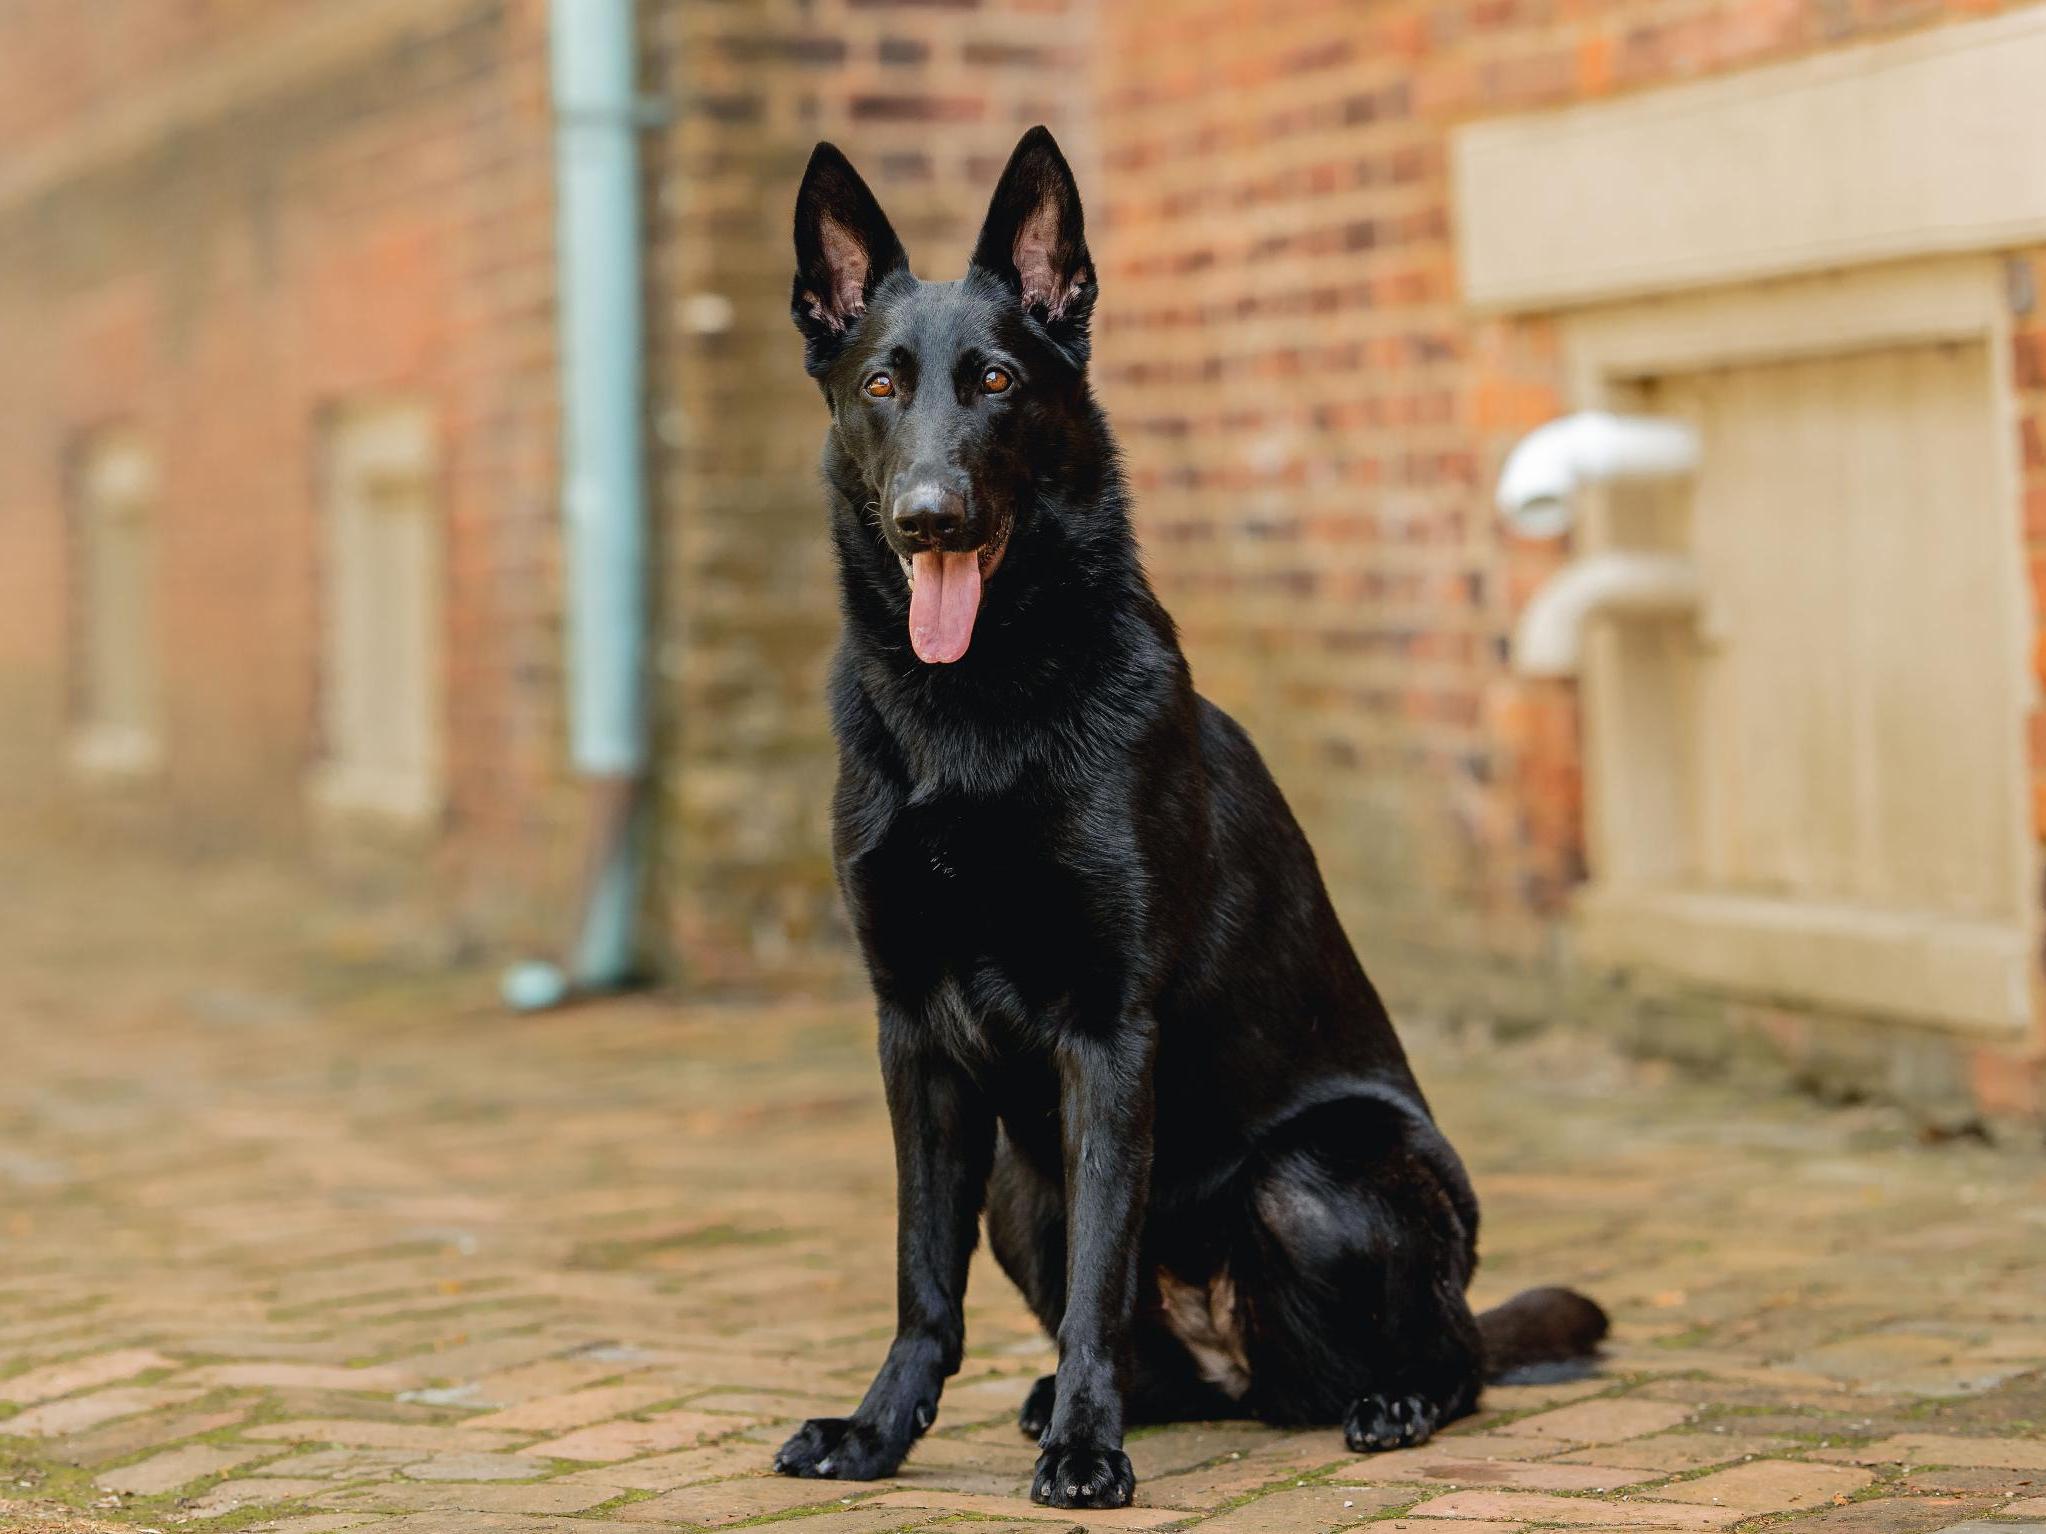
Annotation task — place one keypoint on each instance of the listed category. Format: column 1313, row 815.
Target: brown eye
column 881, row 386
column 995, row 381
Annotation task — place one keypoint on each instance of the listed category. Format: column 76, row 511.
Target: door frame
column 1972, row 975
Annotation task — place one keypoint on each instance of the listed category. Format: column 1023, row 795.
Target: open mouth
column 944, row 597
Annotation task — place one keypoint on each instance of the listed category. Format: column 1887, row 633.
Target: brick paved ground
column 302, row 1234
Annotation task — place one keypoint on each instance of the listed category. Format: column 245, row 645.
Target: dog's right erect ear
column 1035, row 240
column 844, row 247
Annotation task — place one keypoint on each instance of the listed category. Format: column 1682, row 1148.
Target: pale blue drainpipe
column 597, row 118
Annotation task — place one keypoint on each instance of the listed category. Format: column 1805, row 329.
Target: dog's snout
column 929, row 515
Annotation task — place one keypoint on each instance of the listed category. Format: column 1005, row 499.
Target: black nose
column 929, row 516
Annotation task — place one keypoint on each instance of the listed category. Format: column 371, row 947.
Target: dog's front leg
column 944, row 1144
column 1105, row 1111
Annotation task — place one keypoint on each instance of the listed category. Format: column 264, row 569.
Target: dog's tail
column 1541, row 1329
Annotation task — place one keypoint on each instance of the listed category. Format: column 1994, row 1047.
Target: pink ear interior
column 846, row 260
column 1037, row 238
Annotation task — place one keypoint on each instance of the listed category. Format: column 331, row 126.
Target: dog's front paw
column 840, row 1449
column 1074, row 1475
column 1374, row 1424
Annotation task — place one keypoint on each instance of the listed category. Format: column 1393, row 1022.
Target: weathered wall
column 216, row 225
column 218, row 222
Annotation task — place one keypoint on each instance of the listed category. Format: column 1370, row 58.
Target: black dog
column 1117, row 1010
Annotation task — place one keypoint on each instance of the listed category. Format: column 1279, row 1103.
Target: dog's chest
column 973, row 910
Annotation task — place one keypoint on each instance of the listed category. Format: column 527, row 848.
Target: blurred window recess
column 118, row 732
column 1817, row 787
column 381, row 653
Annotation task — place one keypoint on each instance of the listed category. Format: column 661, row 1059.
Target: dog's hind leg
column 1360, row 1235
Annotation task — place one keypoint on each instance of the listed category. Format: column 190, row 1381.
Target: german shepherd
column 1117, row 1011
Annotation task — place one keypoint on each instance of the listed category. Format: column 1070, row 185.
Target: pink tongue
column 944, row 597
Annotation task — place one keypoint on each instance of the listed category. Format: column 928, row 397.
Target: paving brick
column 527, row 1382
column 1017, row 1458
column 235, row 1496
column 1182, row 1446
column 1598, row 1422
column 62, row 1379
column 472, row 1467
column 423, row 1438
column 1276, row 1459
column 1021, row 1508
column 1531, row 1507
column 1938, row 1449
column 859, row 1520
column 665, row 1472
column 1888, row 1515
column 128, row 1436
column 734, row 1501
column 559, row 1413
column 443, row 1521
column 1458, row 1471
column 71, row 1414
column 545, row 1497
column 1768, row 1486
column 178, row 1467
column 1672, row 1452
column 377, row 1381
column 1304, row 1510
column 337, row 1464
column 1974, row 1479
column 629, row 1439
column 993, row 1480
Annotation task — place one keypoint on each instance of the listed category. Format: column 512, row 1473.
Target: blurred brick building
column 276, row 282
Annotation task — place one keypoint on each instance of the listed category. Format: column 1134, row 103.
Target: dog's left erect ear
column 1035, row 240
column 845, row 246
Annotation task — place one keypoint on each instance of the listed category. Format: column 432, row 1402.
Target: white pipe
column 1549, row 641
column 596, row 113
column 1551, row 462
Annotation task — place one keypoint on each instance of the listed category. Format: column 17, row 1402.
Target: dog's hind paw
column 1076, row 1476
column 839, row 1449
column 1376, row 1423
column 1035, row 1416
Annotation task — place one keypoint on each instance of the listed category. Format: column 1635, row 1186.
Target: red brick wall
column 62, row 61
column 372, row 222
column 1315, row 424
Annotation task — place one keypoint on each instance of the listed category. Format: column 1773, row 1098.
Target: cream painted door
column 1855, row 735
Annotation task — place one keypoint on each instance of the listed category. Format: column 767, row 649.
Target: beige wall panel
column 1926, row 144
